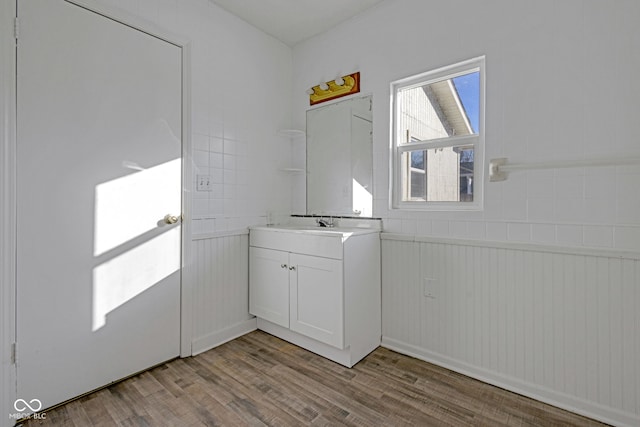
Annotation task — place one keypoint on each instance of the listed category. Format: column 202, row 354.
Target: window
column 438, row 138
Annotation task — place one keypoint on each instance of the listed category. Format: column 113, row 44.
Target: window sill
column 439, row 206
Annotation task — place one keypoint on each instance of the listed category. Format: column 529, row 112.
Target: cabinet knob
column 292, row 268
column 283, row 265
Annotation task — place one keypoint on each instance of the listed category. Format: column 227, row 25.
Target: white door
column 317, row 298
column 99, row 166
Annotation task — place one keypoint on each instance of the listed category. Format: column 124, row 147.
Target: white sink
column 311, row 229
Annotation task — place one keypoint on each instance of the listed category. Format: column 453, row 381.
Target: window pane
column 417, row 159
column 418, row 187
column 441, row 109
column 466, row 174
column 438, row 175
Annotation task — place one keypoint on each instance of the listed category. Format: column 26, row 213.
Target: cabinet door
column 317, row 298
column 269, row 285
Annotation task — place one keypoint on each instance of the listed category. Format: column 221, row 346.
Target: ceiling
column 292, row 21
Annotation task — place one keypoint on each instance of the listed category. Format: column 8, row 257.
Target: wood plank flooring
column 260, row 380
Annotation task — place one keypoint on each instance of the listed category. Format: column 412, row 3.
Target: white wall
column 221, row 289
column 561, row 84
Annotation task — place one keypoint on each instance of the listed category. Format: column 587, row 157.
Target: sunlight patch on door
column 128, row 275
column 131, row 205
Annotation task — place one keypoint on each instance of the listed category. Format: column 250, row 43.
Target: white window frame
column 399, row 146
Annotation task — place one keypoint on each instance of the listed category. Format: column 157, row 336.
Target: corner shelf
column 293, row 135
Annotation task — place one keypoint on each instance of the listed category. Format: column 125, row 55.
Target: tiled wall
column 240, row 97
column 561, row 85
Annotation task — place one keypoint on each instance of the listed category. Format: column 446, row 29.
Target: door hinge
column 14, row 353
column 16, row 27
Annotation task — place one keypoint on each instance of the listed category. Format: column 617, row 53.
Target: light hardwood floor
column 260, row 380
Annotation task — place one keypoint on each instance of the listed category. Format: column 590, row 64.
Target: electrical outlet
column 203, row 183
column 429, row 287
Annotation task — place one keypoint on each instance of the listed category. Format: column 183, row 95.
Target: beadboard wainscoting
column 561, row 325
column 220, row 289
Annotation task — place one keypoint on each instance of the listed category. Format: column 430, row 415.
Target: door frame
column 8, row 192
column 8, row 385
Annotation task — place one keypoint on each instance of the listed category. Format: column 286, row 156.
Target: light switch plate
column 203, row 183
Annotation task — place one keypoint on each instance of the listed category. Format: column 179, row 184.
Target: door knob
column 171, row 219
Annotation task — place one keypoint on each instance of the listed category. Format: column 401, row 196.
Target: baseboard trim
column 570, row 403
column 217, row 338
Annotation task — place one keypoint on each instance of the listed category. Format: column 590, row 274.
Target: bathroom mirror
column 340, row 159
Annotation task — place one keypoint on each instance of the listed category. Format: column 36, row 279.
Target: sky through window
column 468, row 88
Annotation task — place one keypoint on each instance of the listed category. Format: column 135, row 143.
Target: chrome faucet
column 324, row 222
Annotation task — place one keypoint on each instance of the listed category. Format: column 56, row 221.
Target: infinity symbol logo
column 21, row 405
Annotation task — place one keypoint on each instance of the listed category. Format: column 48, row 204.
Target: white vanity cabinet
column 299, row 292
column 319, row 289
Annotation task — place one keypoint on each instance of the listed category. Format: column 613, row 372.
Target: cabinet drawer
column 307, row 244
